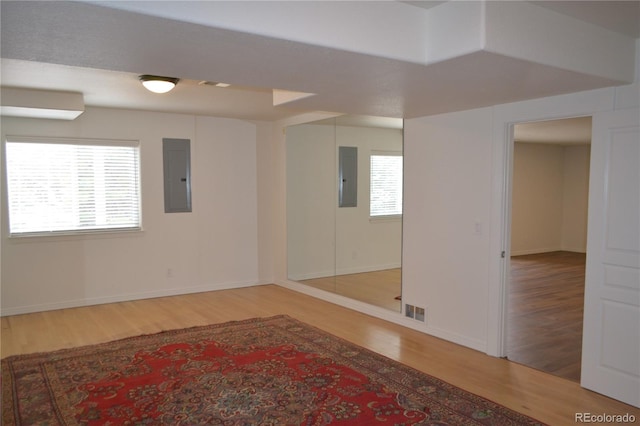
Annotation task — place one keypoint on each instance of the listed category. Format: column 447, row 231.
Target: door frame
column 509, row 222
column 504, row 118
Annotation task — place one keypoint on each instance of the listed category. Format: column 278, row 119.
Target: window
column 70, row 186
column 386, row 184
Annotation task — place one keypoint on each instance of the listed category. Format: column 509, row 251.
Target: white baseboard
column 545, row 250
column 385, row 314
column 575, row 250
column 534, row 251
column 312, row 275
column 344, row 271
column 27, row 309
column 362, row 269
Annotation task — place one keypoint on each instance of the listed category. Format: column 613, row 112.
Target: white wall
column 265, row 174
column 455, row 169
column 311, row 192
column 457, row 181
column 536, row 212
column 536, row 224
column 362, row 244
column 549, row 200
column 446, row 222
column 326, row 240
column 215, row 246
column 453, row 234
column 576, row 197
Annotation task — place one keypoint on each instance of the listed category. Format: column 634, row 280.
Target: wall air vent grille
column 213, row 83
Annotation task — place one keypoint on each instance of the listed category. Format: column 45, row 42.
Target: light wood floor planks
column 546, row 303
column 378, row 288
column 548, row 398
column 546, row 300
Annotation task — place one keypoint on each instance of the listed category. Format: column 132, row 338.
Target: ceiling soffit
column 442, row 70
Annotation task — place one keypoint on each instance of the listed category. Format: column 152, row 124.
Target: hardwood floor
column 548, row 398
column 546, row 299
column 378, row 288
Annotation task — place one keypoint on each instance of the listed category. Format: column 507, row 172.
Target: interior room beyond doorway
column 550, row 190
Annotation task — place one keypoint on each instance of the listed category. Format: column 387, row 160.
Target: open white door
column 611, row 336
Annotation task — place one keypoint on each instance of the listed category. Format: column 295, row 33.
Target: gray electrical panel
column 176, row 154
column 348, row 176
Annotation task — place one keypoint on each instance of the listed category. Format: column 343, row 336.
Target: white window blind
column 386, row 185
column 72, row 186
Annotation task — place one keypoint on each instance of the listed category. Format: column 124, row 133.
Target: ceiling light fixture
column 158, row 84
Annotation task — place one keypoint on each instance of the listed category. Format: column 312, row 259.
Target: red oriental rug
column 273, row 371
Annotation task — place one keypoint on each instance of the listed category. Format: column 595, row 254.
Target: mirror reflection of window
column 354, row 250
column 385, row 197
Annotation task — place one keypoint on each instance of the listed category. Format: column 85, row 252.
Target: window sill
column 382, row 219
column 34, row 237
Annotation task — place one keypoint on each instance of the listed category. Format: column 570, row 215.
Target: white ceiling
column 619, row 16
column 100, row 52
column 115, row 89
column 568, row 131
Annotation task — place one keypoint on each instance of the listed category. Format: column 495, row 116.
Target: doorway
column 548, row 236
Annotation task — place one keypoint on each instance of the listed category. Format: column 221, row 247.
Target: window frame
column 386, row 217
column 73, row 232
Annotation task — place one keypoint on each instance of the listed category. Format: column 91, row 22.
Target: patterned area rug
column 273, row 371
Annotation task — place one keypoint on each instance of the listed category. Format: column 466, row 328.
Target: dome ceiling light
column 158, row 84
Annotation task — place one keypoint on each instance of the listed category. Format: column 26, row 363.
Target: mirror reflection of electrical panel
column 348, row 176
column 176, row 155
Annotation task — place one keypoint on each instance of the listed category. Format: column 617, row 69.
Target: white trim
column 386, row 218
column 500, row 244
column 546, row 250
column 77, row 303
column 533, row 251
column 386, row 153
column 345, row 271
column 313, row 275
column 33, row 224
column 363, row 269
column 574, row 249
column 505, row 116
column 399, row 194
column 70, row 234
column 384, row 314
column 73, row 141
